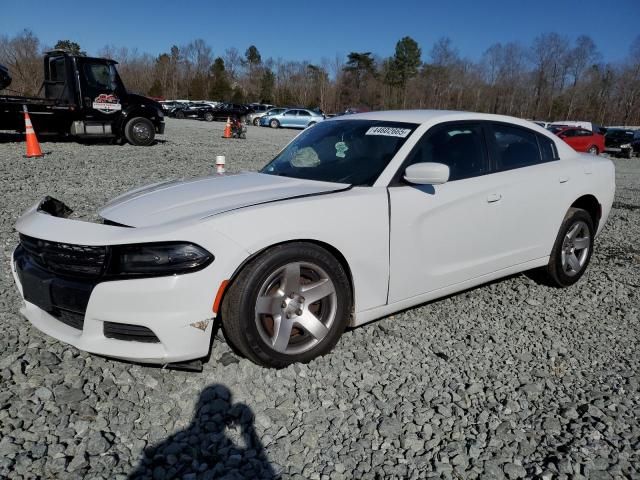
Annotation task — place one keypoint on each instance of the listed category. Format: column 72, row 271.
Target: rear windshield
column 342, row 151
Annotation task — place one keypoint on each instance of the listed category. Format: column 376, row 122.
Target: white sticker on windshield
column 389, row 131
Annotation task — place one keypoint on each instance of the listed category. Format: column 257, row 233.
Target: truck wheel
column 139, row 131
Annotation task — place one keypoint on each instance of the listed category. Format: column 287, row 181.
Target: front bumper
column 167, row 306
column 175, row 311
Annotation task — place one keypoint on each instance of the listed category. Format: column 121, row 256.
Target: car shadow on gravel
column 220, row 441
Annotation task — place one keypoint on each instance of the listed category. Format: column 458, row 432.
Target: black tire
column 140, row 131
column 628, row 153
column 245, row 329
column 180, row 115
column 593, row 150
column 274, row 123
column 208, row 117
column 556, row 273
column 256, row 122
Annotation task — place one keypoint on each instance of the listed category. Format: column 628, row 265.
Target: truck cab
column 85, row 97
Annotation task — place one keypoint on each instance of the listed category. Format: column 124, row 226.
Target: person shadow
column 220, row 442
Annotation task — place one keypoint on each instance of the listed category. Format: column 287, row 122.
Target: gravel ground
column 509, row 380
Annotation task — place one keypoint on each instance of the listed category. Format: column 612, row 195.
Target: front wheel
column 208, row 117
column 274, row 123
column 139, row 131
column 290, row 304
column 572, row 249
column 256, row 122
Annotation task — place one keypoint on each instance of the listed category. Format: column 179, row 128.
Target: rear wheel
column 593, row 150
column 290, row 304
column 274, row 123
column 139, row 131
column 256, row 122
column 572, row 249
column 208, row 117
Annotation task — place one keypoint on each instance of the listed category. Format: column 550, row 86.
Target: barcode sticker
column 389, row 131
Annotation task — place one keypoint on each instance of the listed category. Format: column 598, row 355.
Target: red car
column 581, row 139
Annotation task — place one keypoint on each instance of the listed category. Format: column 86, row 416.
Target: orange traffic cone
column 227, row 129
column 33, row 147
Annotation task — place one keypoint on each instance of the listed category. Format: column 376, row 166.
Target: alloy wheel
column 296, row 307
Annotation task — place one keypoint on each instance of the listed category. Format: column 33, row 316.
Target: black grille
column 64, row 258
column 73, row 319
column 132, row 333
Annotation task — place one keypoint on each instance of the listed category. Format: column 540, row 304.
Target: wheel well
column 590, row 204
column 331, row 249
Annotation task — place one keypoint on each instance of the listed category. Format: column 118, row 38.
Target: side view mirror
column 427, row 173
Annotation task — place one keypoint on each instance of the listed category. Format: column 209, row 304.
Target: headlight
column 626, row 145
column 158, row 259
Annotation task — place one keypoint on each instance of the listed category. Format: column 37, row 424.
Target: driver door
column 102, row 91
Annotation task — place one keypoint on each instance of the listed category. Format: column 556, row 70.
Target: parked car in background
column 357, row 218
column 169, row 105
column 191, row 110
column 541, row 123
column 259, row 110
column 226, row 110
column 622, row 142
column 593, row 127
column 293, row 118
column 581, row 139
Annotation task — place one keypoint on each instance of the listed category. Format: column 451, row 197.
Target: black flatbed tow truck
column 83, row 97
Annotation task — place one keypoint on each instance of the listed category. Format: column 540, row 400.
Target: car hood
column 198, row 198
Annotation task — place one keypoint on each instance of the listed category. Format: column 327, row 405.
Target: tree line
column 553, row 78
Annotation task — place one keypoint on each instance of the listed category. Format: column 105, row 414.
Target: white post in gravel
column 220, row 161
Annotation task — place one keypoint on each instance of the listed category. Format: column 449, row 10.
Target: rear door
column 532, row 183
column 304, row 118
column 289, row 118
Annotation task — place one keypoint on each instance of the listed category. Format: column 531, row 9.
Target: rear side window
column 515, row 147
column 548, row 149
column 459, row 146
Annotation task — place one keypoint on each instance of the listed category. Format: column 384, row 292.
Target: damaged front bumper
column 161, row 319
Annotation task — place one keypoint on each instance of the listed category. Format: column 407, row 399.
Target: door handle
column 494, row 197
column 564, row 179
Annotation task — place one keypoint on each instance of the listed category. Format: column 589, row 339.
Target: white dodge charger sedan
column 356, row 218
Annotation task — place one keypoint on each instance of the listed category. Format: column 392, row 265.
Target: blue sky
column 310, row 30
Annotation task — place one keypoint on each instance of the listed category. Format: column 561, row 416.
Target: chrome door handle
column 564, row 179
column 494, row 197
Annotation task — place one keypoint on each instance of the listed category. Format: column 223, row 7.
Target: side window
column 459, row 146
column 548, row 149
column 290, row 112
column 516, row 147
column 56, row 69
column 583, row 133
column 303, row 113
column 569, row 133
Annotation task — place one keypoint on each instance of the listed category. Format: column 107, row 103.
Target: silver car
column 259, row 110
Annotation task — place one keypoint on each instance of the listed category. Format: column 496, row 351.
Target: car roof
column 434, row 116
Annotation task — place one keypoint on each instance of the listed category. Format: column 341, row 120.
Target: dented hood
column 202, row 197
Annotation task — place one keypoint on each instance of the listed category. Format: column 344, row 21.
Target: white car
column 356, row 218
